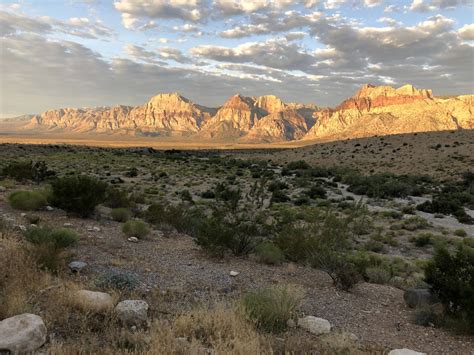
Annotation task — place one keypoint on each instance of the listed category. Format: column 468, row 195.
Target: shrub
column 415, row 223
column 378, row 275
column 28, row 170
column 137, row 229
column 426, row 316
column 279, row 196
column 78, row 194
column 121, row 214
column 460, row 233
column 450, row 276
column 268, row 253
column 27, row 200
column 118, row 280
column 271, row 308
column 295, row 243
column 48, row 245
column 316, row 191
column 115, row 198
column 422, row 240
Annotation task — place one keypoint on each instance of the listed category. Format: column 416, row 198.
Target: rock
column 22, row 228
column 23, row 333
column 132, row 312
column 133, row 239
column 3, row 189
column 418, row 297
column 23, row 214
column 49, row 208
column 97, row 302
column 234, row 273
column 76, row 266
column 291, row 323
column 315, row 325
column 67, row 225
column 404, row 352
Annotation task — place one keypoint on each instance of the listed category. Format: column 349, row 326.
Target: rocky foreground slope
column 373, row 110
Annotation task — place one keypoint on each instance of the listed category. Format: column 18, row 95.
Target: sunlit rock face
column 380, row 110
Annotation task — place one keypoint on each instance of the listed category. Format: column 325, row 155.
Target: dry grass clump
column 221, row 328
column 20, row 279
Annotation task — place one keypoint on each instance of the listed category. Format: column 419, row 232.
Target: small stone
column 234, row 273
column 67, row 224
column 97, row 302
column 404, row 352
column 23, row 214
column 132, row 312
column 76, row 266
column 291, row 323
column 159, row 234
column 96, row 229
column 23, row 333
column 315, row 325
column 22, row 228
column 133, row 239
column 3, row 189
column 49, row 208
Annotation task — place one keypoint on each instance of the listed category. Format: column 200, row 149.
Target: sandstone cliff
column 385, row 110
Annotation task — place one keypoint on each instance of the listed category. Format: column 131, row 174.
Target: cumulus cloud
column 466, row 32
column 427, row 5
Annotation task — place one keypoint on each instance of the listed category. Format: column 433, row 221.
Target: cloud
column 426, row 5
column 11, row 23
column 134, row 11
column 466, row 32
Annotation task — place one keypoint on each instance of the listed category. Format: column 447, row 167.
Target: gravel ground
column 172, row 263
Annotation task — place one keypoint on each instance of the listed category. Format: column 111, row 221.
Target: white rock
column 3, row 189
column 23, row 214
column 96, row 229
column 315, row 325
column 97, row 302
column 76, row 266
column 133, row 239
column 291, row 323
column 23, row 333
column 132, row 312
column 49, row 208
column 22, row 228
column 234, row 273
column 404, row 352
column 67, row 224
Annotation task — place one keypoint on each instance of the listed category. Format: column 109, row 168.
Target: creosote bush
column 48, row 244
column 269, row 253
column 27, row 170
column 78, row 194
column 121, row 214
column 271, row 308
column 136, row 229
column 451, row 277
column 27, row 200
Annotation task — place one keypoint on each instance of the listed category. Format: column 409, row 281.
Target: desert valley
column 214, row 177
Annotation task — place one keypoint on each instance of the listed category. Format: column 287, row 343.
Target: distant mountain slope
column 373, row 110
column 384, row 110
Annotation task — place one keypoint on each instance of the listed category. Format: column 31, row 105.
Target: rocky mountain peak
column 270, row 103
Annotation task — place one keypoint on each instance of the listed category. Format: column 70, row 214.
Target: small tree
column 78, row 194
column 451, row 278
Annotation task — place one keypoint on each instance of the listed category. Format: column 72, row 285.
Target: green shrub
column 316, row 191
column 78, row 194
column 422, row 240
column 118, row 280
column 460, row 233
column 27, row 170
column 116, row 198
column 415, row 223
column 271, row 308
column 451, row 278
column 137, row 229
column 378, row 275
column 48, row 245
column 121, row 214
column 27, row 200
column 295, row 242
column 268, row 253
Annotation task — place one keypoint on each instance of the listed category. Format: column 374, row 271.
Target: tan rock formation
column 385, row 110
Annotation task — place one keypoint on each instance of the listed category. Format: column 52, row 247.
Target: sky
column 85, row 53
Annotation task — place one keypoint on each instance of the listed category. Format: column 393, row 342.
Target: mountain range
column 373, row 110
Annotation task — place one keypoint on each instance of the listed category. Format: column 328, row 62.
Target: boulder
column 97, row 302
column 418, row 297
column 404, row 352
column 132, row 312
column 234, row 273
column 315, row 325
column 76, row 266
column 23, row 333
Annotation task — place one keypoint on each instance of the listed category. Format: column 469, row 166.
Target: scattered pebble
column 133, row 239
column 234, row 273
